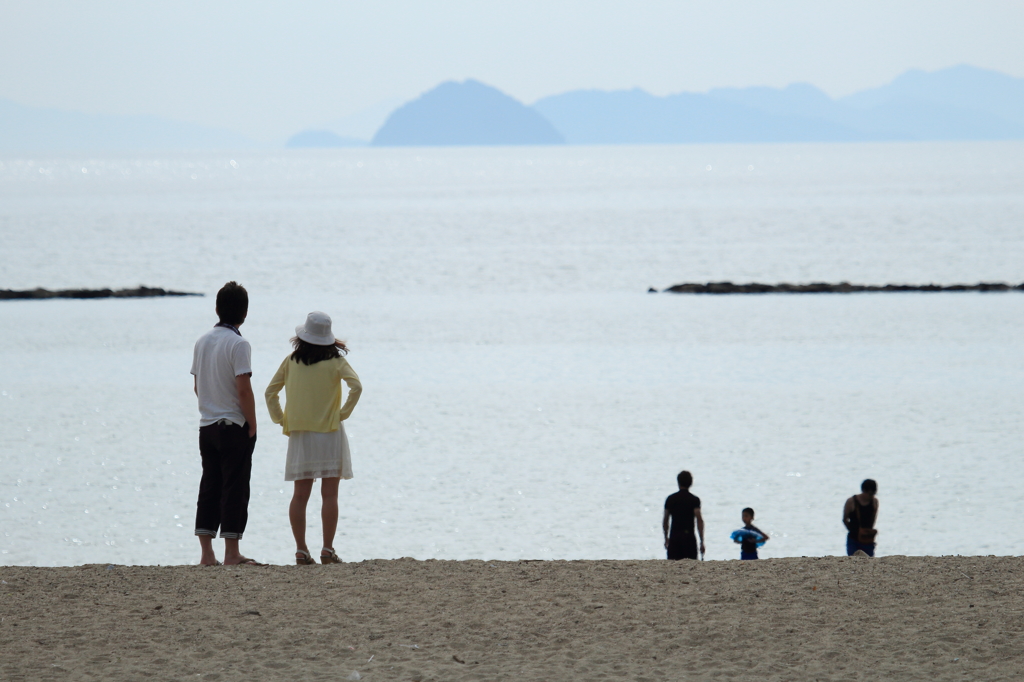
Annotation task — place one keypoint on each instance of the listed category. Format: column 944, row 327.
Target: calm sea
column 524, row 396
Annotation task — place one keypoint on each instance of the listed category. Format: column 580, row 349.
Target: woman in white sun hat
column 313, row 419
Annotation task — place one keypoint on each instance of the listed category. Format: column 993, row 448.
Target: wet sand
column 900, row 618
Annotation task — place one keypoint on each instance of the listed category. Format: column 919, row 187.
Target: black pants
column 223, row 503
column 682, row 547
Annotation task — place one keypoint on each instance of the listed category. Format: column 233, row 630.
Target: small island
column 138, row 292
column 466, row 113
column 826, row 288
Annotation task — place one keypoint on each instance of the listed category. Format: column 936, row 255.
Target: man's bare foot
column 207, row 557
column 242, row 561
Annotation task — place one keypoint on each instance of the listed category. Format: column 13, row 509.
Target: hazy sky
column 269, row 69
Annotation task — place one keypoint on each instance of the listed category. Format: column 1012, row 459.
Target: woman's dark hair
column 232, row 303
column 310, row 353
column 684, row 479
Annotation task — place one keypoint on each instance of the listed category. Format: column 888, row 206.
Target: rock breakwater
column 827, row 288
column 139, row 292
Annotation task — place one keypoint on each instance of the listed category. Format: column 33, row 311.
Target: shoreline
column 893, row 617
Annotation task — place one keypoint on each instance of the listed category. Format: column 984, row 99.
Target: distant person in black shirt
column 859, row 515
column 682, row 509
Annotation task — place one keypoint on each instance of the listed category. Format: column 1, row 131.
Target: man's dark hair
column 232, row 303
column 750, row 511
column 684, row 479
column 869, row 486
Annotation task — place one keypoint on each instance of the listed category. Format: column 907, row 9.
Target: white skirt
column 312, row 454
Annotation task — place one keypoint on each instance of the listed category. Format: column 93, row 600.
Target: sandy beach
column 782, row 619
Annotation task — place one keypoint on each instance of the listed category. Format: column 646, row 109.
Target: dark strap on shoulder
column 228, row 326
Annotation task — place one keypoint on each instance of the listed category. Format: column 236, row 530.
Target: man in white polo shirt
column 222, row 370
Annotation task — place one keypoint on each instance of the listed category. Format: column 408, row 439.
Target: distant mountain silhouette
column 637, row 117
column 960, row 87
column 467, row 113
column 321, row 138
column 798, row 99
column 32, row 129
column 959, row 103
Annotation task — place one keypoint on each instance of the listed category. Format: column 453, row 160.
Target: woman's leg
column 297, row 512
column 329, row 511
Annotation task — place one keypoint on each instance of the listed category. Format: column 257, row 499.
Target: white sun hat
column 317, row 329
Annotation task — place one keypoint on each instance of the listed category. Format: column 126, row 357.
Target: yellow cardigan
column 314, row 395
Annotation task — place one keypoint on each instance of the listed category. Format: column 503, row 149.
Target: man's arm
column 195, row 385
column 700, row 527
column 247, row 401
column 848, row 516
column 664, row 526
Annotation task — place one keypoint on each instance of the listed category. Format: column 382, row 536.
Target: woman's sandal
column 331, row 558
column 303, row 558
